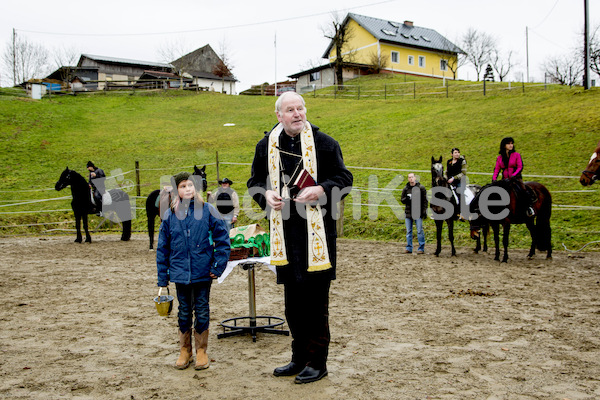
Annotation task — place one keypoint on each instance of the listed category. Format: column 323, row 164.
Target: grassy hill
column 555, row 131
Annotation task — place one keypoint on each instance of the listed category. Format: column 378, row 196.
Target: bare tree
column 478, row 46
column 173, row 52
column 24, row 60
column 501, row 62
column 65, row 59
column 340, row 35
column 565, row 70
column 377, row 62
column 223, row 67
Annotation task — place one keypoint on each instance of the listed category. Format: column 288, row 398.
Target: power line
column 201, row 30
column 546, row 17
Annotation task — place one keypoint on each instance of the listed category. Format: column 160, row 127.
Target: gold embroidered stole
column 318, row 254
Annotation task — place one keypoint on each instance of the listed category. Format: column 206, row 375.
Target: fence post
column 523, row 86
column 447, row 84
column 339, row 224
column 137, row 178
column 385, row 91
column 358, row 94
column 315, row 91
column 484, row 87
column 334, row 92
column 414, row 90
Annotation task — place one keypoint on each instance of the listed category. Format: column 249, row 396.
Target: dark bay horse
column 502, row 203
column 592, row 172
column 445, row 208
column 119, row 210
column 158, row 202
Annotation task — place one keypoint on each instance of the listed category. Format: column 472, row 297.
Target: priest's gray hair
column 284, row 96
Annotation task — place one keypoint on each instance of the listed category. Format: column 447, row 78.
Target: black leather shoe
column 288, row 370
column 309, row 374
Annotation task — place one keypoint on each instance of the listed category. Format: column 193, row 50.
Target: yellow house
column 385, row 46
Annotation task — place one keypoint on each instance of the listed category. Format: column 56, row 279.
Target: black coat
column 332, row 174
column 420, row 212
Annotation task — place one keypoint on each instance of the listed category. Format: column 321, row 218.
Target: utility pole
column 527, row 49
column 586, row 46
column 14, row 58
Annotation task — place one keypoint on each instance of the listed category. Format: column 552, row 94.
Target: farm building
column 384, row 46
column 207, row 70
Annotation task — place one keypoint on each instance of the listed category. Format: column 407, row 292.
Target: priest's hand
column 310, row 194
column 274, row 200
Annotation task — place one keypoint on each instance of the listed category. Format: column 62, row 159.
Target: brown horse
column 592, row 172
column 503, row 203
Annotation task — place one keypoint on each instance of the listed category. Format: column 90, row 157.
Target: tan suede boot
column 185, row 351
column 201, row 340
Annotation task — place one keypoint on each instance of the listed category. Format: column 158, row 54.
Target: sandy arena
column 78, row 322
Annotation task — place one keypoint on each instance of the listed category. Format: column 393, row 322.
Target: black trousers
column 307, row 314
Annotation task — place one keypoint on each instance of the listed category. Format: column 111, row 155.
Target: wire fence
column 418, row 89
column 380, row 197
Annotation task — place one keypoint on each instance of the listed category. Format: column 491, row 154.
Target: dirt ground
column 78, row 321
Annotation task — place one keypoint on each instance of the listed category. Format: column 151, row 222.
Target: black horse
column 118, row 210
column 512, row 210
column 442, row 195
column 158, row 201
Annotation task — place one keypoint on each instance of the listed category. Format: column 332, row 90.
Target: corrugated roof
column 401, row 34
column 127, row 61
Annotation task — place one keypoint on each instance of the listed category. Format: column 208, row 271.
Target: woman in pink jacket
column 509, row 161
column 511, row 165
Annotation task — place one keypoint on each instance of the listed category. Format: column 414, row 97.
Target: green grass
column 555, row 130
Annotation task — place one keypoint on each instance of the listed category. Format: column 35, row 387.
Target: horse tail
column 542, row 226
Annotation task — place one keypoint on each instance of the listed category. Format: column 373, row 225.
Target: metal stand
column 268, row 324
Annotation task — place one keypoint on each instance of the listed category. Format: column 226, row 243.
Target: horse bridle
column 593, row 176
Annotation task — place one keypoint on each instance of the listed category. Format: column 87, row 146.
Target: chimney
column 408, row 23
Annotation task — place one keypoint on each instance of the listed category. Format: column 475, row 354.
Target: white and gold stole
column 318, row 254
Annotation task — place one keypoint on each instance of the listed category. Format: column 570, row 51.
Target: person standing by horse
column 226, row 200
column 193, row 249
column 511, row 165
column 96, row 183
column 414, row 197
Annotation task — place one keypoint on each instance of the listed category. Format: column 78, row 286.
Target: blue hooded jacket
column 185, row 253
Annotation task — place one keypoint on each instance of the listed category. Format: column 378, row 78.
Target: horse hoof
column 78, row 240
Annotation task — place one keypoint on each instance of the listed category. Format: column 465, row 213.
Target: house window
column 395, row 57
column 411, row 60
column 443, row 65
column 422, row 61
column 315, row 76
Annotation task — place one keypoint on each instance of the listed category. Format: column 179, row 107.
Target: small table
column 254, row 323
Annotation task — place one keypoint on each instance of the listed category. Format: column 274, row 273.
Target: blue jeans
column 409, row 233
column 228, row 218
column 193, row 299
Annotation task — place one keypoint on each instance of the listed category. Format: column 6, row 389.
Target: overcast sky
column 139, row 29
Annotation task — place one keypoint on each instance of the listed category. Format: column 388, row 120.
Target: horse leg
column 531, row 227
column 496, row 229
column 88, row 238
column 505, row 235
column 78, row 239
column 438, row 236
column 478, row 245
column 126, row 235
column 151, row 229
column 485, row 231
column 450, row 223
